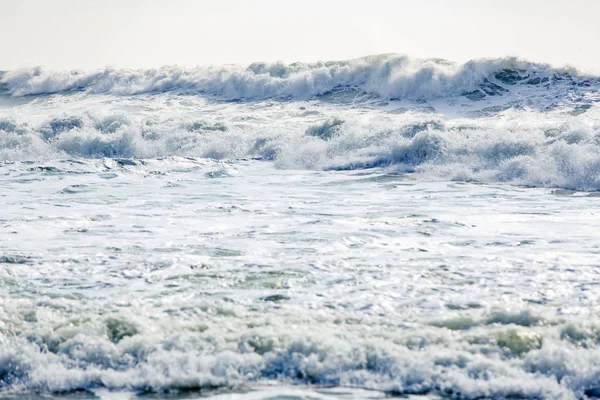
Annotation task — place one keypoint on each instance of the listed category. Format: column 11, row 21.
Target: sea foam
column 525, row 149
column 496, row 120
column 389, row 76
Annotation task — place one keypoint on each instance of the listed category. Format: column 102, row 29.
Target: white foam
column 183, row 274
column 520, row 147
column 387, row 75
column 84, row 358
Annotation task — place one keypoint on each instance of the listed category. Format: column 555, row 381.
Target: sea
column 364, row 229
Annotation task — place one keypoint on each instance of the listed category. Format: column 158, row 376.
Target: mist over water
column 378, row 225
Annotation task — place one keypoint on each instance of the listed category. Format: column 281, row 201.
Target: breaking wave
column 511, row 359
column 389, row 76
column 543, row 152
column 502, row 120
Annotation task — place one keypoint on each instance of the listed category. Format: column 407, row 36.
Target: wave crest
column 389, row 76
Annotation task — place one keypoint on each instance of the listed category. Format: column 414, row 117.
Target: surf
column 497, row 120
column 389, row 76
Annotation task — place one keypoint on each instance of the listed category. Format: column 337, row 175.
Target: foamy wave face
column 509, row 358
column 389, row 76
column 544, row 151
column 501, row 120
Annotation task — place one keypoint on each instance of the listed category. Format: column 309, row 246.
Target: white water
column 441, row 243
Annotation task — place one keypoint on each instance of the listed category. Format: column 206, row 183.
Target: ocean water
column 378, row 227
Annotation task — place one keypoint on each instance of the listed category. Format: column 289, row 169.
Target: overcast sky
column 76, row 34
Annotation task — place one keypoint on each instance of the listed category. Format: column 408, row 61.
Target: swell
column 389, row 76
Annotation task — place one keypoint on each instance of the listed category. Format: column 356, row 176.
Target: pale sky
column 90, row 34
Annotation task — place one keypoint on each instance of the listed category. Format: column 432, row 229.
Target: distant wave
column 389, row 76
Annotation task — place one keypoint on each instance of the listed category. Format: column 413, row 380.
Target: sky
column 90, row 34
